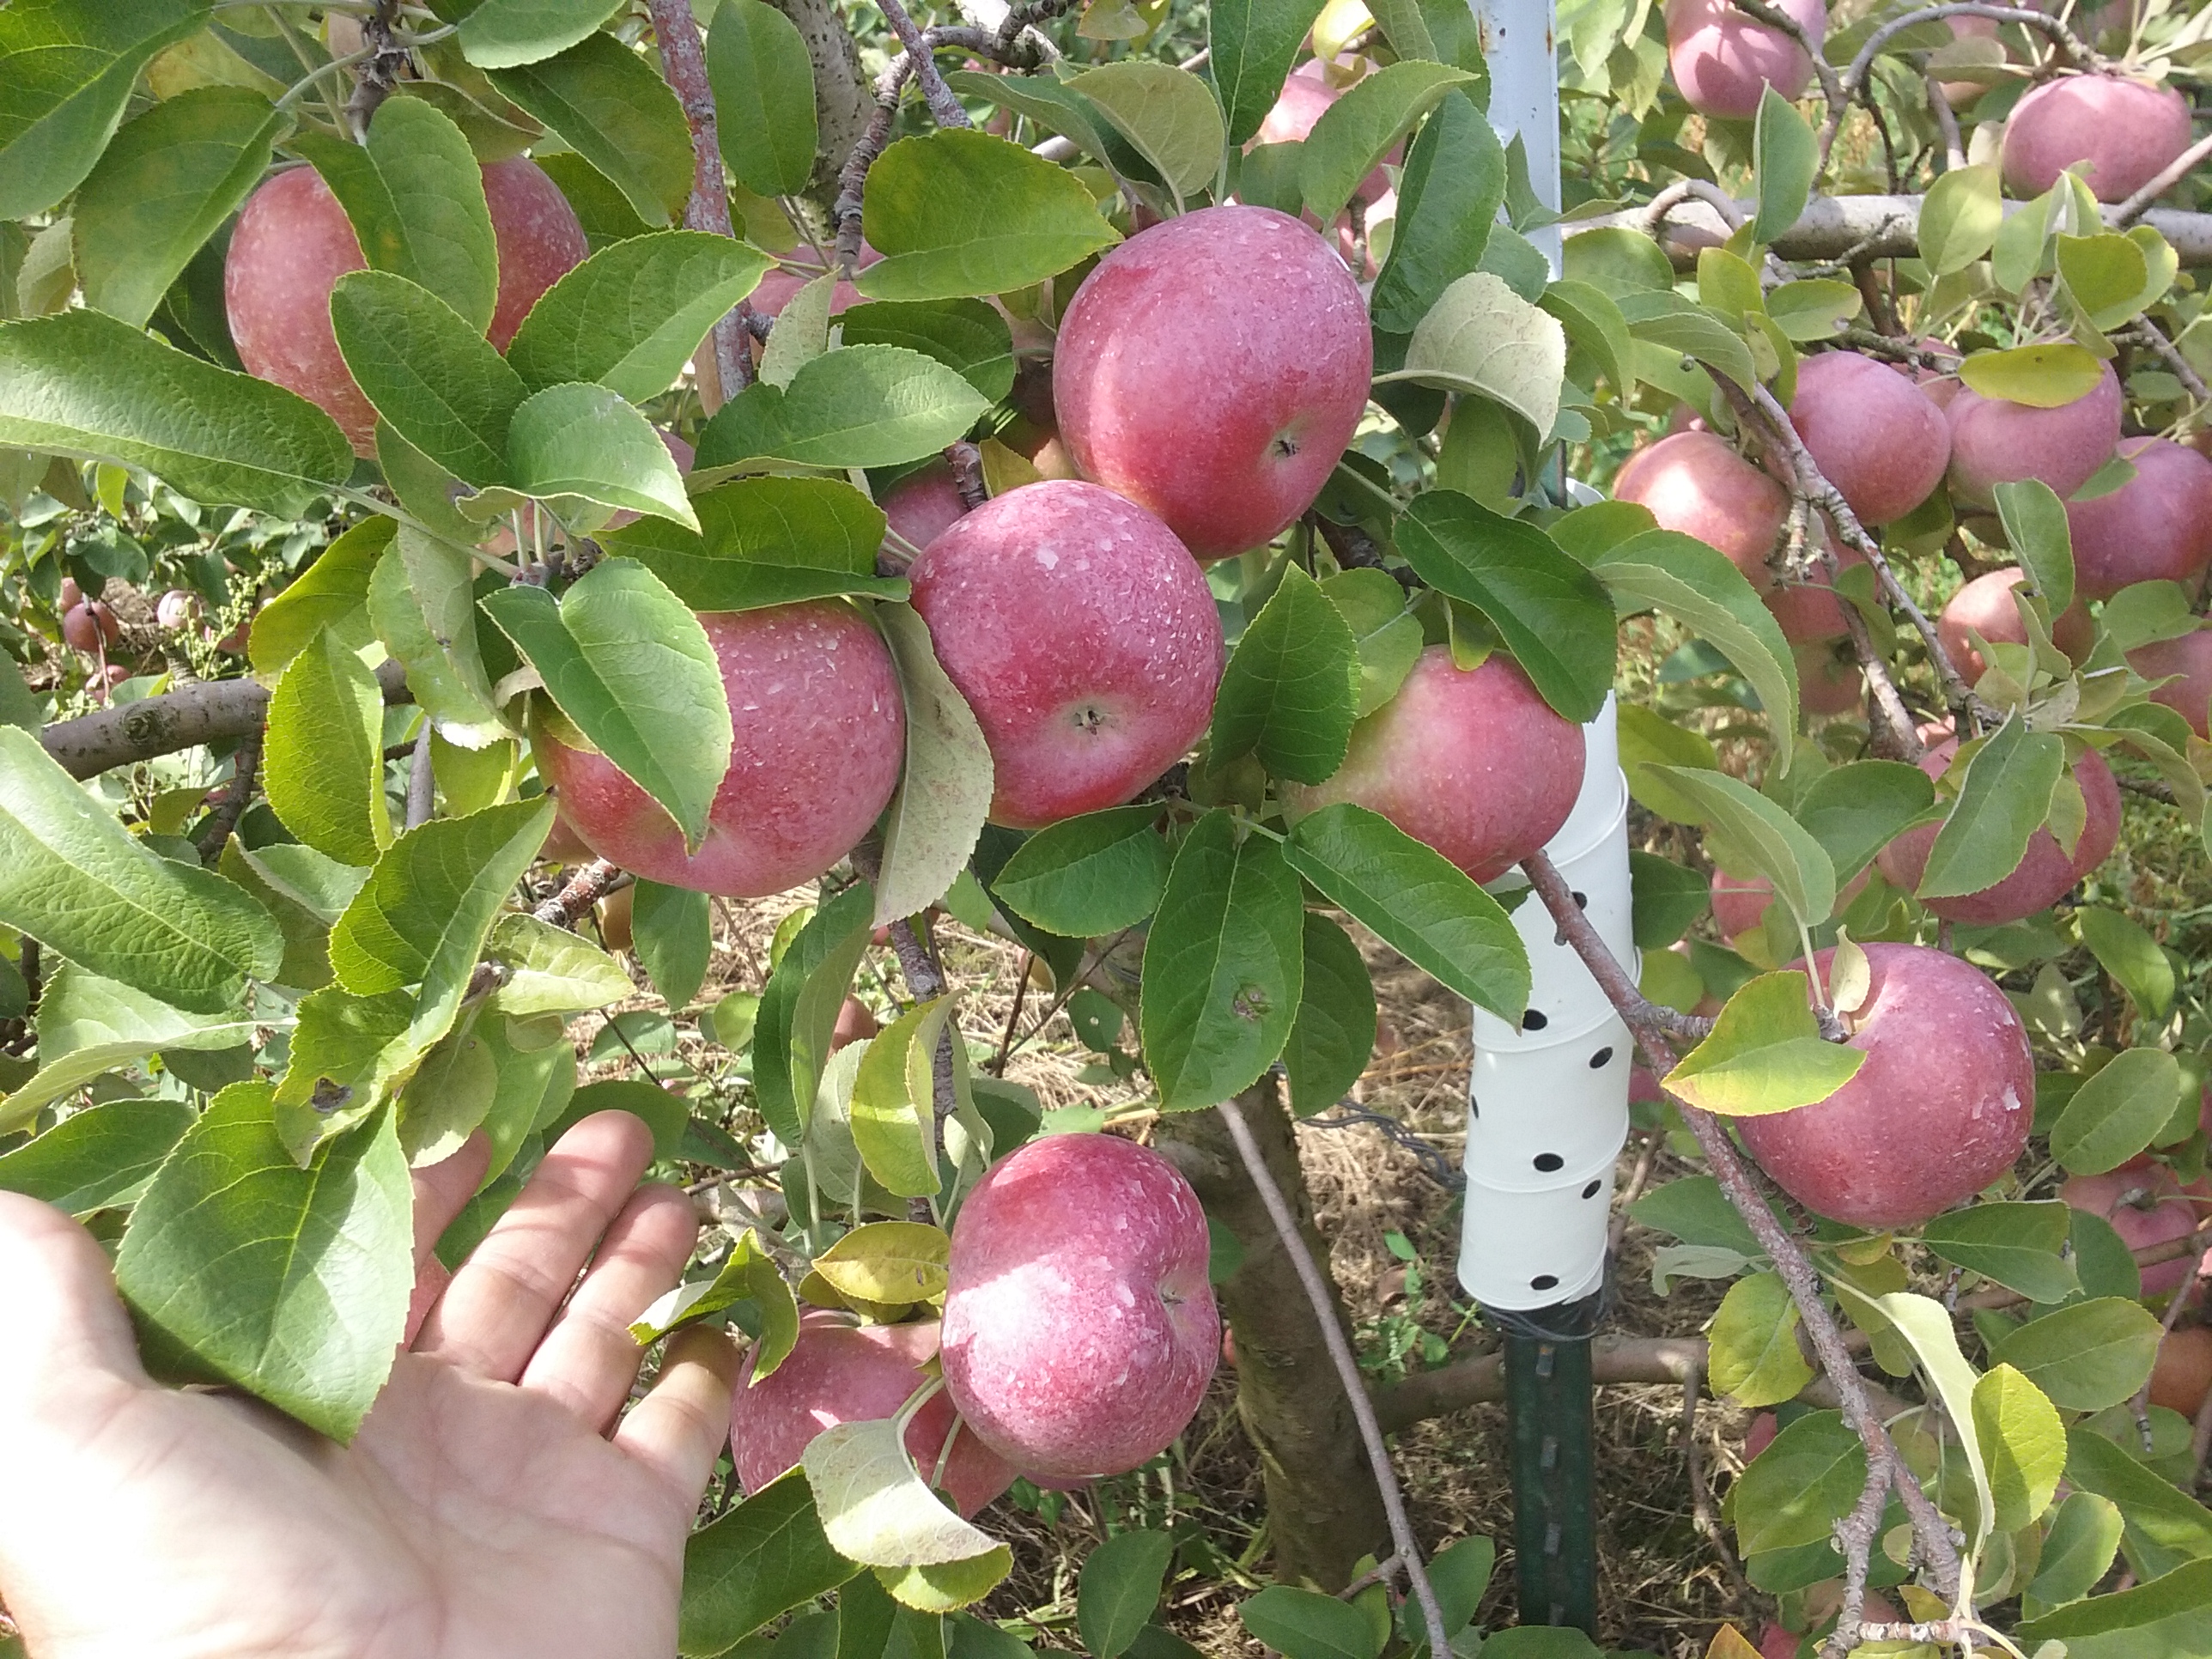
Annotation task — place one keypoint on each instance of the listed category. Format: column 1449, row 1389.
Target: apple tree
column 1168, row 489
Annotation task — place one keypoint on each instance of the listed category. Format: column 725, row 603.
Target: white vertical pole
column 1524, row 95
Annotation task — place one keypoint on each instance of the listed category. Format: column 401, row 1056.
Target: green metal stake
column 1548, row 1401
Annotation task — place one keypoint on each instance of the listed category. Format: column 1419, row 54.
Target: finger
column 589, row 1360
column 494, row 1314
column 442, row 1189
column 679, row 1430
column 58, row 1307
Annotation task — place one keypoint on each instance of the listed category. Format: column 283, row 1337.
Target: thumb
column 58, row 1306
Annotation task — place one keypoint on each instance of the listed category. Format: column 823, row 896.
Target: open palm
column 497, row 1500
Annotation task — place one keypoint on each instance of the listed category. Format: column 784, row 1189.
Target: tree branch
column 244, row 767
column 208, row 712
column 2174, row 173
column 591, row 883
column 944, row 107
column 1347, row 1370
column 685, row 65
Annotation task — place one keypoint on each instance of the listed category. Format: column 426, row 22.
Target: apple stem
column 1347, row 1370
column 1937, row 1550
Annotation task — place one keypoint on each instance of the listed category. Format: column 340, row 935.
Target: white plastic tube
column 1562, row 993
column 1518, row 48
column 1520, row 1250
column 1542, row 1115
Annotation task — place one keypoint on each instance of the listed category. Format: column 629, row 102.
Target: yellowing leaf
column 1481, row 337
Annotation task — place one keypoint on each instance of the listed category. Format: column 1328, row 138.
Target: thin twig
column 591, row 883
column 1937, row 1549
column 1947, row 122
column 944, row 107
column 685, row 65
column 1701, row 1500
column 2144, row 332
column 1690, row 189
column 1347, row 1371
column 2174, row 172
column 1855, row 1533
column 421, row 782
column 245, row 766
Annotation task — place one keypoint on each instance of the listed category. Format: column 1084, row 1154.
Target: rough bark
column 1323, row 1511
column 206, row 712
column 842, row 99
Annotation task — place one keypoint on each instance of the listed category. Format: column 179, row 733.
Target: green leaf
column 323, row 761
column 1167, row 114
column 88, row 386
column 1220, row 988
column 1289, row 693
column 943, row 796
column 748, row 1273
column 1595, row 325
column 584, row 443
column 661, row 1112
column 1667, row 899
column 1252, row 45
column 165, row 185
column 2078, row 1548
column 2168, row 1618
column 2044, row 376
column 1786, row 157
column 863, row 405
column 2165, row 1528
column 798, row 1008
column 1925, row 1325
column 946, row 1587
column 1554, row 615
column 440, row 384
column 1303, row 1624
column 1359, row 129
column 1694, row 582
column 958, row 212
column 1480, row 336
column 1449, row 194
column 611, row 107
column 1119, row 1587
column 289, row 1283
column 1089, row 876
column 66, row 72
column 765, row 541
column 73, row 878
column 2108, row 276
column 763, row 86
column 628, row 664
column 760, row 1560
column 674, row 938
column 2024, row 1444
column 876, row 1510
column 508, row 34
column 2130, row 956
column 422, row 917
column 1801, row 1486
column 1388, row 634
column 422, row 601
column 2004, row 800
column 2036, row 527
column 2021, row 1246
column 448, row 1096
column 893, row 1262
column 2086, row 1355
column 893, row 1103
column 1056, row 107
column 550, row 971
column 2116, row 1114
column 89, row 1026
column 1334, row 1032
column 98, row 1157
column 967, row 335
column 1960, row 218
column 1764, row 838
column 1814, row 310
column 331, row 592
column 358, row 1045
column 1755, row 1358
column 1694, row 1209
column 1765, row 1054
column 631, row 315
column 1418, row 902
column 416, row 196
column 1678, row 327
column 1855, row 810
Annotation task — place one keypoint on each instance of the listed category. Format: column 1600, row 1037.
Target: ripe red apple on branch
column 2157, row 526
column 2121, row 132
column 820, row 737
column 1985, row 606
column 2146, row 1205
column 1694, row 482
column 1994, row 441
column 2189, row 657
column 1080, row 1328
column 1873, row 434
column 1905, row 1139
column 1723, row 59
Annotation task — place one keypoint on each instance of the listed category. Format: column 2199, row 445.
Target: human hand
column 496, row 1501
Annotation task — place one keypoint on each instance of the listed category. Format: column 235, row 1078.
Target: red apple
column 1306, row 98
column 1083, row 637
column 1940, row 1109
column 1724, row 60
column 1760, row 1435
column 2045, row 873
column 2127, row 130
column 71, row 595
column 90, row 626
column 2183, row 1375
column 1211, row 369
column 820, row 737
column 2157, row 526
column 293, row 242
column 1995, row 442
column 1829, row 678
column 1080, row 1328
column 1875, row 438
column 838, row 1373
column 1471, row 761
column 2147, row 1206
column 2190, row 657
column 854, row 1023
column 1738, row 902
column 1809, row 611
column 923, row 505
column 1960, row 93
column 1695, row 483
column 178, row 608
column 1984, row 606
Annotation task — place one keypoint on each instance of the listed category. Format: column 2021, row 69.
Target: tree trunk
column 842, row 98
column 1323, row 1511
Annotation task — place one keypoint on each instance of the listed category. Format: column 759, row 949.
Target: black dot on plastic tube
column 1544, row 1282
column 1533, row 1020
column 1591, row 1191
column 1473, row 1108
column 1549, row 1162
column 1601, row 1060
